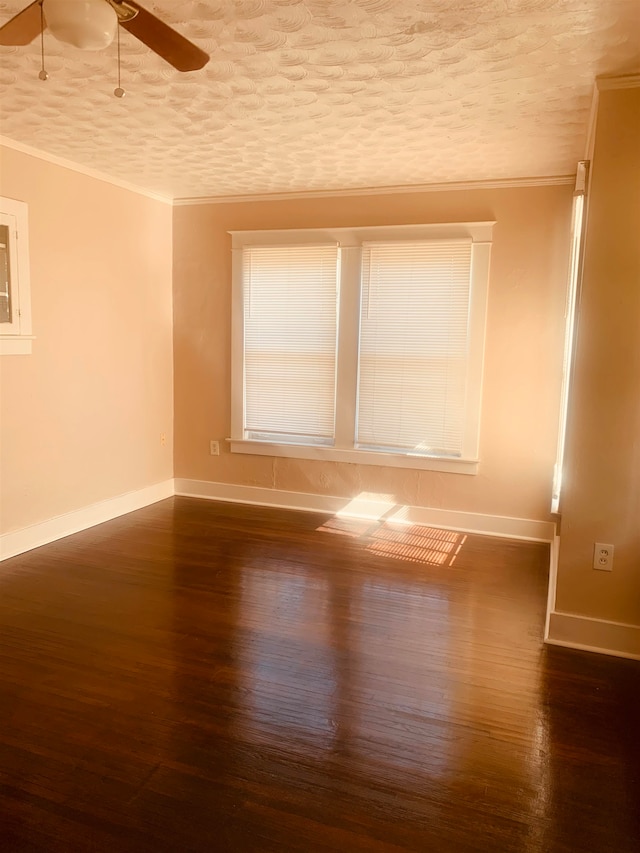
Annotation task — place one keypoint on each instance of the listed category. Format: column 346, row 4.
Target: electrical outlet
column 214, row 448
column 602, row 556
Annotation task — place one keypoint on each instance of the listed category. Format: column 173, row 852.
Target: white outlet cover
column 603, row 556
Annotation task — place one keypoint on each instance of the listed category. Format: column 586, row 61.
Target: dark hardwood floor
column 208, row 677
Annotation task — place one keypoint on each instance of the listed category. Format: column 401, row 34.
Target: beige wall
column 601, row 499
column 81, row 418
column 523, row 353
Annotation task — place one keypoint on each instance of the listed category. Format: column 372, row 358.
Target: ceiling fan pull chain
column 118, row 91
column 43, row 74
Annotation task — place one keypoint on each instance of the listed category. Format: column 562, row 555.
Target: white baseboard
column 370, row 507
column 554, row 554
column 27, row 538
column 562, row 629
column 594, row 635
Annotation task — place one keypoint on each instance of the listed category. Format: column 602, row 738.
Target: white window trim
column 350, row 241
column 18, row 340
column 573, row 288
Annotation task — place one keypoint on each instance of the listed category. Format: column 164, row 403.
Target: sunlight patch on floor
column 417, row 544
column 382, row 526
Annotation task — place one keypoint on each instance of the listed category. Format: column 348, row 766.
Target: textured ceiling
column 306, row 95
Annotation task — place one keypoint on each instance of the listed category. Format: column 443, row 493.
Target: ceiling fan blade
column 23, row 27
column 164, row 40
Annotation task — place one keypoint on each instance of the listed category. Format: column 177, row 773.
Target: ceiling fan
column 92, row 25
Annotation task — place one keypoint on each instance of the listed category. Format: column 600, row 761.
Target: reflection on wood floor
column 208, row 677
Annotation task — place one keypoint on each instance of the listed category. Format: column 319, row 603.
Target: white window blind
column 414, row 346
column 290, row 333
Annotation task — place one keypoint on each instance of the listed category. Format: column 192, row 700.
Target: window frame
column 17, row 339
column 350, row 241
column 574, row 278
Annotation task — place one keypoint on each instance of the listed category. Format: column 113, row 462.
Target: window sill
column 359, row 457
column 16, row 344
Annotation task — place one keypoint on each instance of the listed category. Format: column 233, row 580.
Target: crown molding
column 625, row 81
column 498, row 184
column 605, row 84
column 6, row 142
column 453, row 186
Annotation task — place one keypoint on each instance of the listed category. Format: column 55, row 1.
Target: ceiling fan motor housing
column 87, row 24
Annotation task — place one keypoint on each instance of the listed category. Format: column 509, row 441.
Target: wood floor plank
column 199, row 676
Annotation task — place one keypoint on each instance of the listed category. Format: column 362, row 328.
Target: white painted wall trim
column 554, row 555
column 354, row 455
column 369, row 507
column 561, row 629
column 19, row 541
column 497, row 184
column 83, row 170
column 16, row 344
column 625, row 81
column 594, row 635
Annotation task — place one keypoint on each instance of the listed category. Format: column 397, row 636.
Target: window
column 361, row 345
column 15, row 304
column 290, row 326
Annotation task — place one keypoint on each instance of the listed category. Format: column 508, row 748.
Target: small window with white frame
column 361, row 344
column 15, row 296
